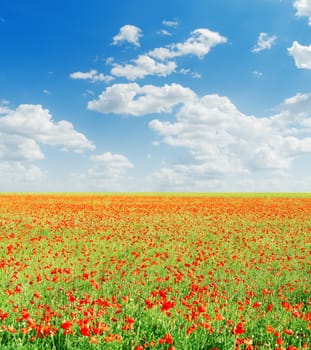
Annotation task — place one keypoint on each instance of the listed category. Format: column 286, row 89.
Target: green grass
column 196, row 267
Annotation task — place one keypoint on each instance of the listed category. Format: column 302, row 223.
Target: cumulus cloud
column 110, row 165
column 128, row 33
column 294, row 116
column 303, row 8
column 300, row 104
column 16, row 172
column 18, row 148
column 93, row 76
column 159, row 61
column 198, row 44
column 136, row 100
column 22, row 133
column 219, row 139
column 222, row 141
column 301, row 55
column 264, row 42
column 107, row 172
column 34, row 124
column 142, row 66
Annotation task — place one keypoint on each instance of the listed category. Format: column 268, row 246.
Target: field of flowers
column 155, row 272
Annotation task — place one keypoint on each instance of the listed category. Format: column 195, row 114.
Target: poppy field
column 164, row 272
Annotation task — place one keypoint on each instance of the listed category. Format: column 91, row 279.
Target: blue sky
column 200, row 95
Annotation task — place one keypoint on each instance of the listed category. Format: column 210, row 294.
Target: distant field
column 172, row 194
column 155, row 271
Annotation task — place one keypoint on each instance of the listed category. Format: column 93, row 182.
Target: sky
column 154, row 95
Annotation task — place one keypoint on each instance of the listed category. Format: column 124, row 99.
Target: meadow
column 134, row 272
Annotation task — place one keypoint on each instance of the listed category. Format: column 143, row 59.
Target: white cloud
column 276, row 182
column 294, row 116
column 128, row 33
column 175, row 178
column 264, row 42
column 109, row 60
column 22, row 133
column 18, row 148
column 194, row 75
column 198, row 44
column 164, row 32
column 142, row 66
column 182, row 178
column 88, row 93
column 303, row 8
column 172, row 23
column 257, row 74
column 4, row 106
column 92, row 76
column 219, row 139
column 108, row 172
column 132, row 99
column 16, row 172
column 29, row 125
column 112, row 165
column 301, row 55
column 222, row 141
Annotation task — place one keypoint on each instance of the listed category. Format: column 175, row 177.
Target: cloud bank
column 219, row 139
